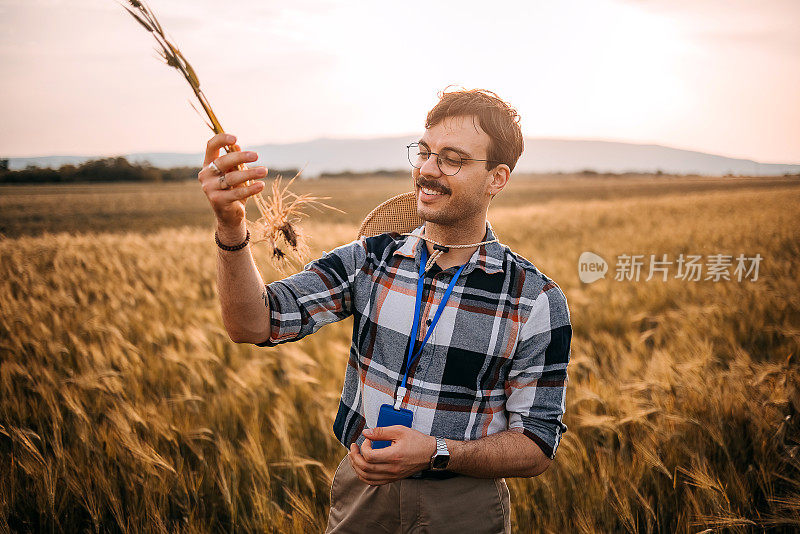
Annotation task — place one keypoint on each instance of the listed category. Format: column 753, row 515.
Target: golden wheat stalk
column 278, row 225
column 281, row 212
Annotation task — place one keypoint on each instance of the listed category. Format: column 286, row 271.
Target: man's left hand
column 409, row 453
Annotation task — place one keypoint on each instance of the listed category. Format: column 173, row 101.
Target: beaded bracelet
column 235, row 247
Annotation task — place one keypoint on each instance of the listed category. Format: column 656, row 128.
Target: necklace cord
column 440, row 249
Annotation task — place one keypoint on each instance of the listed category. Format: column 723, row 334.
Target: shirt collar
column 488, row 257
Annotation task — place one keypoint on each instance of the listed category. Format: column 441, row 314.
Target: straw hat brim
column 398, row 214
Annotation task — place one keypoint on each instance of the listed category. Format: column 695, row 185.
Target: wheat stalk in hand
column 281, row 212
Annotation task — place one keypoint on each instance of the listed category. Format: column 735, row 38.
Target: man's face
column 465, row 195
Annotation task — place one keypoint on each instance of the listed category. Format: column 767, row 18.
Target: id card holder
column 388, row 416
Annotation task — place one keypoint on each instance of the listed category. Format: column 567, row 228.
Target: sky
column 83, row 78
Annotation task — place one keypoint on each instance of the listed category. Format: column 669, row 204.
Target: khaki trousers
column 460, row 505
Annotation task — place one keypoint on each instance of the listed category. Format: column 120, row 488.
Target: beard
column 448, row 210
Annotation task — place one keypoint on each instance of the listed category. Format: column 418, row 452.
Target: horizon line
column 376, row 137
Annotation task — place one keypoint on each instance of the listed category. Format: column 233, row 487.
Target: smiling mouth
column 431, row 191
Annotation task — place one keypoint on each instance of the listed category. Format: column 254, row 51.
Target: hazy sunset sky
column 82, row 77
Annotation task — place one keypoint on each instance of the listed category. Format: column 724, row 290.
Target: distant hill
column 388, row 153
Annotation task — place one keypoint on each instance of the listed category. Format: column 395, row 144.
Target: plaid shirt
column 496, row 360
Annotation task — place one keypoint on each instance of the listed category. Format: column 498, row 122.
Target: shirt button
column 428, row 322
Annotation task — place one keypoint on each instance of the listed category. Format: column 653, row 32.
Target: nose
column 431, row 166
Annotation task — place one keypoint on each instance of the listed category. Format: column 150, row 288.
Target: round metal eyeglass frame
column 413, row 155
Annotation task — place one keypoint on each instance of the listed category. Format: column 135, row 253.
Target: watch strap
column 441, row 450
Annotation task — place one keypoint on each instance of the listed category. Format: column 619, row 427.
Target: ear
column 498, row 179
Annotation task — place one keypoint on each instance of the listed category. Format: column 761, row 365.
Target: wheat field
column 124, row 407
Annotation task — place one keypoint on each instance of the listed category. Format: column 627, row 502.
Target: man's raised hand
column 227, row 200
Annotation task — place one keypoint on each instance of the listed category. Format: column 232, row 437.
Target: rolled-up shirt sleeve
column 320, row 294
column 536, row 384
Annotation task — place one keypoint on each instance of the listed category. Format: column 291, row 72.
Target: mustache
column 435, row 186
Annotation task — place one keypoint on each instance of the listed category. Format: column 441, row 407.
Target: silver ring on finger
column 222, row 183
column 217, row 172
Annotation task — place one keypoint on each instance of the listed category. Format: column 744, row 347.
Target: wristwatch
column 441, row 457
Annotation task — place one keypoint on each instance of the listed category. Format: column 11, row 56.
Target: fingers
column 373, row 474
column 228, row 162
column 227, row 196
column 386, row 433
column 227, row 200
column 230, row 166
column 232, row 161
column 377, row 456
column 362, row 469
column 235, row 178
column 215, row 144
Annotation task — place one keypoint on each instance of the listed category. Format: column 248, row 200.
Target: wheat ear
column 281, row 212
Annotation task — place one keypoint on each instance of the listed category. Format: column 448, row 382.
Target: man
column 481, row 381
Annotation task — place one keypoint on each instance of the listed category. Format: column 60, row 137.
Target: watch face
column 440, row 462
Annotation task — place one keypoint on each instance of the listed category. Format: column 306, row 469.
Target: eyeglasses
column 449, row 161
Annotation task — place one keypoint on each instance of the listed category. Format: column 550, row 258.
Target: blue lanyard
column 418, row 304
